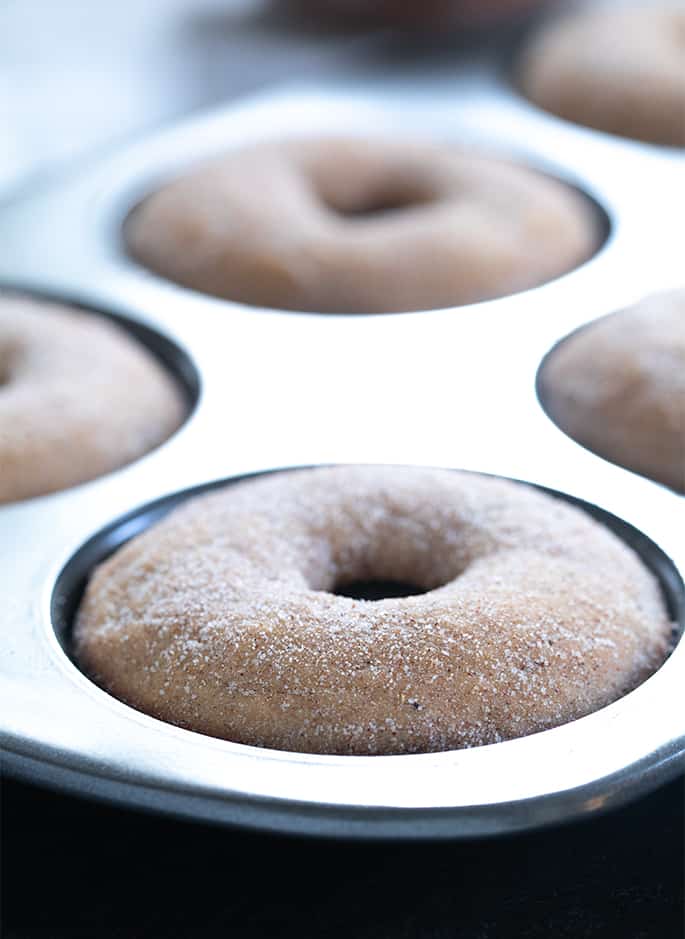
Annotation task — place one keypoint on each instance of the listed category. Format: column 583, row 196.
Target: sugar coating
column 618, row 387
column 368, row 225
column 617, row 70
column 220, row 617
column 78, row 397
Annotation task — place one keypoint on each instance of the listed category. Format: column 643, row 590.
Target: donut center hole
column 380, row 206
column 381, row 201
column 377, row 589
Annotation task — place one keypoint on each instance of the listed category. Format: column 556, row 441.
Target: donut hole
column 373, row 589
column 361, row 553
column 384, row 200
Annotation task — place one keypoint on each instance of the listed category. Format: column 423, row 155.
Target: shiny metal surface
column 451, row 387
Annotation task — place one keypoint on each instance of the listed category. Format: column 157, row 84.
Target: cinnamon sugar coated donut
column 361, row 226
column 78, row 398
column 617, row 386
column 223, row 619
column 617, row 70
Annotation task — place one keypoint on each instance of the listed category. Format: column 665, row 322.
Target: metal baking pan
column 453, row 387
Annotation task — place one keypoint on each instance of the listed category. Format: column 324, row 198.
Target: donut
column 621, row 71
column 78, row 397
column 360, row 226
column 618, row 388
column 229, row 617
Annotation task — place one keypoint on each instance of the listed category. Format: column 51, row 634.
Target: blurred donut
column 621, row 71
column 617, row 386
column 79, row 397
column 361, row 226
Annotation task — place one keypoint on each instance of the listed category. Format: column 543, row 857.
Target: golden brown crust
column 78, row 398
column 361, row 226
column 221, row 618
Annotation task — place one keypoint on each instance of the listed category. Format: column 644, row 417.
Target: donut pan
column 270, row 389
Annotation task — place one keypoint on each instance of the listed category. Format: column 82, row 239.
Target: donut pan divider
column 452, row 388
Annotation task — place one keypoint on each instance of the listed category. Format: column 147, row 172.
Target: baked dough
column 618, row 387
column 617, row 70
column 361, row 226
column 78, row 397
column 222, row 618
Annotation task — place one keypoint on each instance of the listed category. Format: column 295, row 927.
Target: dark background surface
column 74, row 869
